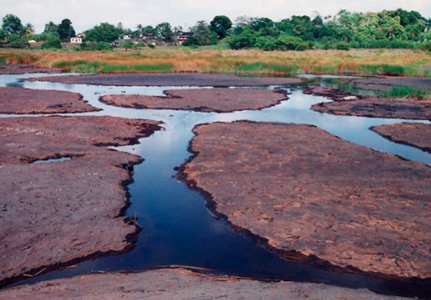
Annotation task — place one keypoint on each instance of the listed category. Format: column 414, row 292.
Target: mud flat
column 347, row 104
column 9, row 69
column 168, row 80
column 315, row 197
column 416, row 135
column 208, row 100
column 386, row 83
column 179, row 284
column 14, row 100
column 62, row 190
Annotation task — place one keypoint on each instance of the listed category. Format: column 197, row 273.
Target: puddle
column 177, row 227
column 51, row 160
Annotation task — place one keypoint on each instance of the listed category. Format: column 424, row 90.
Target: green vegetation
column 52, row 42
column 260, row 67
column 386, row 29
column 346, row 30
column 98, row 67
column 407, row 91
column 3, row 59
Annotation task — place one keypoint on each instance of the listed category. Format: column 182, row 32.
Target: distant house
column 76, row 40
column 182, row 37
column 127, row 37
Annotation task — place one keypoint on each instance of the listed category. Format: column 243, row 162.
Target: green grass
column 69, row 64
column 261, row 67
column 392, row 70
column 3, row 59
column 407, row 91
column 96, row 67
column 325, row 69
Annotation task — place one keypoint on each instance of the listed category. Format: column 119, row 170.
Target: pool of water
column 178, row 229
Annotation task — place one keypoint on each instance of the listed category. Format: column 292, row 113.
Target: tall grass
column 408, row 91
column 98, row 67
column 215, row 60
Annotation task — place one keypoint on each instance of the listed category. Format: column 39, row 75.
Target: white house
column 76, row 40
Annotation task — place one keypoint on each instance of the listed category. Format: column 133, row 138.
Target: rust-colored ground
column 179, row 285
column 346, row 104
column 416, row 135
column 169, row 80
column 386, row 83
column 307, row 191
column 55, row 212
column 14, row 100
column 8, row 69
column 208, row 100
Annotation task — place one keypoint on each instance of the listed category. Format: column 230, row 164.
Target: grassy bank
column 365, row 62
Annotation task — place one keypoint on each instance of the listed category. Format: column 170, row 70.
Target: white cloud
column 86, row 13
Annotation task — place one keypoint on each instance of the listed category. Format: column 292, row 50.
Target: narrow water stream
column 178, row 229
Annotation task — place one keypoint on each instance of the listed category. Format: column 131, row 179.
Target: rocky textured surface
column 179, row 284
column 383, row 83
column 413, row 134
column 7, row 69
column 168, row 80
column 58, row 211
column 313, row 194
column 346, row 104
column 14, row 100
column 208, row 100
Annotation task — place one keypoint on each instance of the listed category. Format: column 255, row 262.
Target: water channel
column 177, row 227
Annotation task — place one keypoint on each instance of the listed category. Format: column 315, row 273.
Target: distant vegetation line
column 393, row 62
column 386, row 29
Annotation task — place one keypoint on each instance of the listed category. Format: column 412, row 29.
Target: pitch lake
column 178, row 229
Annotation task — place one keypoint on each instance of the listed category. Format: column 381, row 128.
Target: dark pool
column 178, row 228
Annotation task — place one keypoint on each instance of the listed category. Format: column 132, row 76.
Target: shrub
column 104, row 46
column 342, row 46
column 191, row 41
column 425, row 46
column 246, row 39
column 16, row 41
column 286, row 42
column 52, row 42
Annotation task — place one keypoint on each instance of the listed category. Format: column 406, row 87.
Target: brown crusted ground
column 305, row 190
column 179, row 284
column 55, row 212
column 386, row 83
column 14, row 100
column 417, row 135
column 9, row 69
column 346, row 104
column 168, row 80
column 208, row 100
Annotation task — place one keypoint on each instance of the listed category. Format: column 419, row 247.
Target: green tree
column 17, row 41
column 127, row 44
column 221, row 25
column 65, row 30
column 2, row 36
column 164, row 32
column 53, row 42
column 104, row 46
column 51, row 29
column 203, row 34
column 104, row 32
column 148, row 30
column 12, row 24
column 246, row 39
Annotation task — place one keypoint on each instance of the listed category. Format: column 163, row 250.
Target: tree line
column 386, row 29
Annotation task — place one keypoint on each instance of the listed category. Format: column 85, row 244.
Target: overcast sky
column 84, row 14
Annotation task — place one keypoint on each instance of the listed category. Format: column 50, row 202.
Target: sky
column 85, row 14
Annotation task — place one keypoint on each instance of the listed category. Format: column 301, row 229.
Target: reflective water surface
column 177, row 227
